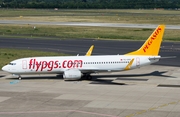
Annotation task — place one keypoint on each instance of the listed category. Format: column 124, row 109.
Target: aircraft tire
column 89, row 77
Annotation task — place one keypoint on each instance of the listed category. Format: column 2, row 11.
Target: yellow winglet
column 89, row 52
column 152, row 44
column 129, row 65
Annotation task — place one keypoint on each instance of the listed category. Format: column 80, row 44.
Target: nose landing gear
column 18, row 76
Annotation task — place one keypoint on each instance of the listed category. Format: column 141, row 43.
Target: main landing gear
column 87, row 76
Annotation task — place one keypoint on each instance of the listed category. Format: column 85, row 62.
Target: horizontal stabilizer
column 168, row 57
column 159, row 57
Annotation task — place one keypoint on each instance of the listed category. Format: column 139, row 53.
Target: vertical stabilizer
column 152, row 44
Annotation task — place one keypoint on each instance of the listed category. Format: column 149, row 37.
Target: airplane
column 77, row 67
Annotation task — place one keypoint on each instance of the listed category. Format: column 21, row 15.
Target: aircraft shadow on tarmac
column 38, row 78
column 1, row 76
column 120, row 77
column 97, row 79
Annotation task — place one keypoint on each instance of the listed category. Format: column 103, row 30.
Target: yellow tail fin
column 89, row 52
column 152, row 44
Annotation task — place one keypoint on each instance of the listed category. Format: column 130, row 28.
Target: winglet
column 89, row 52
column 152, row 44
column 129, row 65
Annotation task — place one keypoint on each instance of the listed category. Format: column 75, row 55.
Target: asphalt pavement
column 102, row 47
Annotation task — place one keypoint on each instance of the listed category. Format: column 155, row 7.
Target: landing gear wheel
column 89, row 77
column 19, row 77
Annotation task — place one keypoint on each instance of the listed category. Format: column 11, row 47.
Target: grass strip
column 64, row 32
column 107, row 15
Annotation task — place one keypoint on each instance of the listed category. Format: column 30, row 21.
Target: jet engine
column 72, row 74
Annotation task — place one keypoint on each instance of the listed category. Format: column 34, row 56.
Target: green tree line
column 91, row 4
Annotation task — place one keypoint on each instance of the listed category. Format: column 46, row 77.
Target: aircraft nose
column 4, row 68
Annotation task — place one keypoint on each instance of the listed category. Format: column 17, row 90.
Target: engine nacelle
column 72, row 74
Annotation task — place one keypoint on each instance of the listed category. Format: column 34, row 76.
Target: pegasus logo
column 152, row 38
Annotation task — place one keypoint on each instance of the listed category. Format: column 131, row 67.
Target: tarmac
column 151, row 91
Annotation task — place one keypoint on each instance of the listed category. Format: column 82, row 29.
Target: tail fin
column 152, row 44
column 89, row 52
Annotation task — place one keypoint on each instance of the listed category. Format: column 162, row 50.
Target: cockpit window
column 12, row 64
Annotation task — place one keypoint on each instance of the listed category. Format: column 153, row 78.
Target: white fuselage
column 85, row 64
